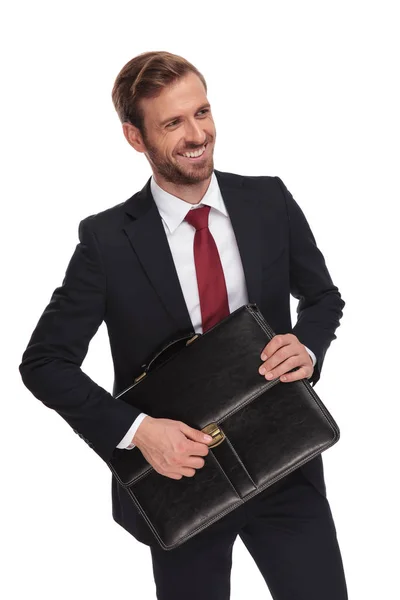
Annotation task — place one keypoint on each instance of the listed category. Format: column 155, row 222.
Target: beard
column 176, row 172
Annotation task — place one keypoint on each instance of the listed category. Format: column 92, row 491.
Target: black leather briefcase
column 262, row 430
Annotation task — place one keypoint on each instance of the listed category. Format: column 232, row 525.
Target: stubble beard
column 175, row 173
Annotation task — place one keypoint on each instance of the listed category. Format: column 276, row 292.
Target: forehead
column 185, row 95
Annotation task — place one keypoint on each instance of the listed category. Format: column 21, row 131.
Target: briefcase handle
column 166, row 352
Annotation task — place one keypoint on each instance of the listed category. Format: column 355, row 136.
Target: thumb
column 195, row 434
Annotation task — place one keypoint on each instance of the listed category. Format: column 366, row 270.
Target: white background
column 303, row 90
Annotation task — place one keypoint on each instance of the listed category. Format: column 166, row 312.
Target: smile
column 195, row 155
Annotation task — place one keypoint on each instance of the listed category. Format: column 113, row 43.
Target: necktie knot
column 198, row 217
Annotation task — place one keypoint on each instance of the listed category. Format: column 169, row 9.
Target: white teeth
column 194, row 154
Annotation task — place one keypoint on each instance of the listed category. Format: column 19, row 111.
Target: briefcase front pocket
column 277, row 432
column 199, row 500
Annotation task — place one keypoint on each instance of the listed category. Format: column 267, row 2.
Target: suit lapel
column 149, row 242
column 243, row 211
column 147, row 237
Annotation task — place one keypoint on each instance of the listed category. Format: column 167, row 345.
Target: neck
column 192, row 194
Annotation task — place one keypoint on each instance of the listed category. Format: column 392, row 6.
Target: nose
column 195, row 133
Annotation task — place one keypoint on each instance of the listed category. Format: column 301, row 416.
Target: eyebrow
column 177, row 117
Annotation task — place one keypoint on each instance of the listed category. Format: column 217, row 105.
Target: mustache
column 194, row 148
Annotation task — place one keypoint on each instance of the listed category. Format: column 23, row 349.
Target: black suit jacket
column 122, row 272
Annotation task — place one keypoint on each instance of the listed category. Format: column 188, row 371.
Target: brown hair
column 144, row 77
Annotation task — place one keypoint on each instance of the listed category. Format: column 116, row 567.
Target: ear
column 133, row 137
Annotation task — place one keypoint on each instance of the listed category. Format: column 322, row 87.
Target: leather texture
column 271, row 428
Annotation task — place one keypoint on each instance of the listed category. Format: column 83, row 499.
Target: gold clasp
column 216, row 433
column 192, row 339
column 140, row 377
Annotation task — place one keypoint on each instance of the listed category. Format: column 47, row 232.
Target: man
column 192, row 246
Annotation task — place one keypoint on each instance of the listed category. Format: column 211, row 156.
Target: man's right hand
column 171, row 447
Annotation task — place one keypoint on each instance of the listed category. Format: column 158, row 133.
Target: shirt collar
column 173, row 210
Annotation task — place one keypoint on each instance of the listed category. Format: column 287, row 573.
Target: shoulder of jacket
column 252, row 181
column 107, row 220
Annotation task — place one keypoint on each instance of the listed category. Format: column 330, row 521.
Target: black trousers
column 289, row 531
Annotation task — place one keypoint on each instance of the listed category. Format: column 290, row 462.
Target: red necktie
column 210, row 275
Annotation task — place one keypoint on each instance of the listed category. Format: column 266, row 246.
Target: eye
column 201, row 112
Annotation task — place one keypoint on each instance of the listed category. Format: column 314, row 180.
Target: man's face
column 178, row 121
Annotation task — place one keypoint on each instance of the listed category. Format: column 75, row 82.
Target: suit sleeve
column 320, row 305
column 51, row 363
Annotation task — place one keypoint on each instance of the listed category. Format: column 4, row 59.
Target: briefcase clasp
column 216, row 433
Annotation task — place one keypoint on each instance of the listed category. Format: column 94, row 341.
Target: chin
column 198, row 175
column 208, row 167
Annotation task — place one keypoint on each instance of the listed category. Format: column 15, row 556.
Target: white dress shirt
column 180, row 236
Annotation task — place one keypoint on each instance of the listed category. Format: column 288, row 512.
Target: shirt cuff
column 126, row 442
column 313, row 358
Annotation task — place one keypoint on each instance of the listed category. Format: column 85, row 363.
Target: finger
column 301, row 373
column 195, row 462
column 277, row 342
column 194, row 434
column 282, row 368
column 279, row 357
column 196, row 449
column 173, row 475
column 187, row 472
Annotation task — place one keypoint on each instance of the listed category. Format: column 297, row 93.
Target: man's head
column 161, row 100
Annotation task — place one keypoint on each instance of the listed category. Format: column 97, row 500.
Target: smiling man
column 179, row 147
column 178, row 256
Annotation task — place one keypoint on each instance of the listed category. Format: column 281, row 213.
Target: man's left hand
column 282, row 354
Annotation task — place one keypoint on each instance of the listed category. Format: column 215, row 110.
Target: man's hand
column 282, row 354
column 172, row 448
